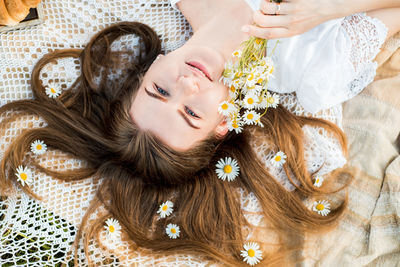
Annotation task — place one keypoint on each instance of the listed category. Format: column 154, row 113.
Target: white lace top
column 39, row 233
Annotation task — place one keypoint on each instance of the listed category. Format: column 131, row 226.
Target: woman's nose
column 189, row 84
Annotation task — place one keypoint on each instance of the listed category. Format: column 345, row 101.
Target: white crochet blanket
column 38, row 233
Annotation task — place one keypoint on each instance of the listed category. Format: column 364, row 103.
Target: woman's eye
column 191, row 113
column 161, row 91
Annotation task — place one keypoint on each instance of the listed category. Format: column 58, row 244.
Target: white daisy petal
column 52, row 90
column 38, row 147
column 166, row 209
column 322, row 207
column 279, row 159
column 227, row 168
column 172, row 230
column 251, row 253
column 318, row 181
column 113, row 228
column 24, row 175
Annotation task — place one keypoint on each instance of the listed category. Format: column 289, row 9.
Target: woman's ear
column 222, row 129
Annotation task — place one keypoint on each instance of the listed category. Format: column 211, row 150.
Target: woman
column 140, row 170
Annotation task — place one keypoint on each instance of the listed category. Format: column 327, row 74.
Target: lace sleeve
column 366, row 35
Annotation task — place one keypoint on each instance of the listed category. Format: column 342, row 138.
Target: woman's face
column 179, row 97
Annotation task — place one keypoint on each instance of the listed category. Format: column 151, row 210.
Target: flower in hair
column 24, row 175
column 166, row 209
column 226, row 108
column 322, row 207
column 38, row 147
column 227, row 169
column 279, row 159
column 113, row 228
column 251, row 117
column 235, row 125
column 52, row 90
column 251, row 253
column 172, row 230
column 247, row 76
column 318, row 181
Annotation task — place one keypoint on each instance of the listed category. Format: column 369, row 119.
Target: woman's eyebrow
column 180, row 112
column 155, row 96
column 187, row 120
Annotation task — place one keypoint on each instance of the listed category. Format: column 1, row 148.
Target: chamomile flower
column 251, row 253
column 237, row 53
column 172, row 230
column 279, row 159
column 226, row 108
column 52, row 90
column 263, row 104
column 272, row 100
column 24, row 175
column 166, row 209
column 113, row 228
column 227, row 169
column 38, row 147
column 318, row 181
column 322, row 207
column 251, row 117
column 250, row 101
column 235, row 125
column 251, row 79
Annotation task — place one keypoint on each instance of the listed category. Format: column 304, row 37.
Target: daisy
column 53, row 90
column 166, row 209
column 237, row 53
column 250, row 101
column 251, row 79
column 235, row 125
column 263, row 104
column 251, row 117
column 272, row 100
column 279, row 159
column 24, row 175
column 318, row 181
column 322, row 207
column 172, row 230
column 251, row 253
column 38, row 147
column 227, row 169
column 226, row 108
column 113, row 228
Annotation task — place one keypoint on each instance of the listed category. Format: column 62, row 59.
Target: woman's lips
column 201, row 68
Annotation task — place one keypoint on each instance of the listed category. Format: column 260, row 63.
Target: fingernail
column 245, row 28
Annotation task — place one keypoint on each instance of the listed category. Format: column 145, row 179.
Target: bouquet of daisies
column 247, row 76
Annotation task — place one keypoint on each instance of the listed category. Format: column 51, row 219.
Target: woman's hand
column 290, row 17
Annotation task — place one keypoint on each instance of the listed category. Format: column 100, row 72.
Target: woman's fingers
column 270, row 20
column 270, row 8
column 267, row 33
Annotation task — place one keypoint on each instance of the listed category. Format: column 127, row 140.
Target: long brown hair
column 90, row 121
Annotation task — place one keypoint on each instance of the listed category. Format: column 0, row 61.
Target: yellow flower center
column 250, row 101
column 39, row 147
column 233, row 89
column 272, row 69
column 260, row 80
column 52, row 90
column 227, row 169
column 251, row 253
column 270, row 100
column 320, row 207
column 164, row 208
column 262, row 63
column 239, row 74
column 236, row 53
column 24, row 176
column 173, row 231
column 111, row 228
column 251, row 77
column 278, row 158
column 224, row 106
column 317, row 180
column 250, row 116
column 235, row 125
column 258, row 41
